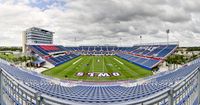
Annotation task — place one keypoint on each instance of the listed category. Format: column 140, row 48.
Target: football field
column 98, row 68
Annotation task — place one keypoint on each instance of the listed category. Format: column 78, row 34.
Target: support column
column 38, row 99
column 170, row 97
column 198, row 85
column 1, row 87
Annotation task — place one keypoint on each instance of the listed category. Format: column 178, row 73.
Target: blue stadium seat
column 100, row 94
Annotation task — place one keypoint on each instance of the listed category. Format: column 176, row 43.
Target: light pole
column 167, row 31
column 120, row 42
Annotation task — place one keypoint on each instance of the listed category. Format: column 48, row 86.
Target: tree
column 176, row 60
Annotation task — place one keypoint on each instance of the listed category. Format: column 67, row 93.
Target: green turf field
column 98, row 64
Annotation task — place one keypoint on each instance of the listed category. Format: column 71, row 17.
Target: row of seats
column 94, row 48
column 61, row 59
column 100, row 94
column 45, row 51
column 144, row 55
column 144, row 50
column 49, row 48
column 151, row 50
column 147, row 63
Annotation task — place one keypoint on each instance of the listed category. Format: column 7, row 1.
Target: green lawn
column 98, row 64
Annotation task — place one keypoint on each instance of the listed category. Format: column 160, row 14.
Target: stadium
column 98, row 75
column 50, row 69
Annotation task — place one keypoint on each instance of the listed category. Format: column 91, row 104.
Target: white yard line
column 103, row 63
column 77, row 61
column 118, row 61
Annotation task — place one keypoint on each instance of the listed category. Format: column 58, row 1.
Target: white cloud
column 103, row 21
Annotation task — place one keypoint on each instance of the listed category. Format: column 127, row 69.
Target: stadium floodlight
column 167, row 31
column 120, row 41
column 140, row 39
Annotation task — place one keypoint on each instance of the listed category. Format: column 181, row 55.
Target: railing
column 159, row 43
column 186, row 91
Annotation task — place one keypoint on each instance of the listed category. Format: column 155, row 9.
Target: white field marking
column 77, row 61
column 119, row 61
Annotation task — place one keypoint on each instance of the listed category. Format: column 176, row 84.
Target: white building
column 35, row 36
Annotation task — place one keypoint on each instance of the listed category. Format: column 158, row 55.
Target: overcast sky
column 102, row 21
